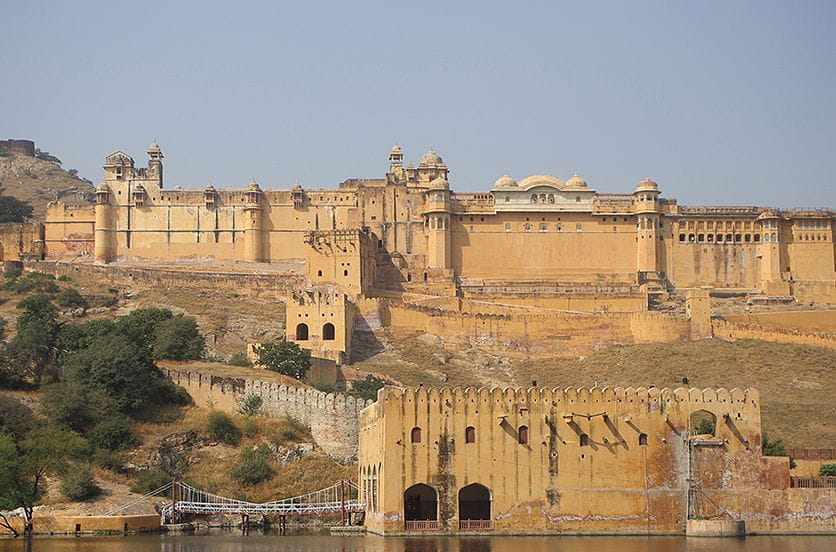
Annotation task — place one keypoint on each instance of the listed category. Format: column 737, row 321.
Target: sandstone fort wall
column 725, row 329
column 332, row 417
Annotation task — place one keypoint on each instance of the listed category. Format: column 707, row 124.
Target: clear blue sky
column 720, row 102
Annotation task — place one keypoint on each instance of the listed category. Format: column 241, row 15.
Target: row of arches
column 421, row 505
column 720, row 238
column 303, row 333
column 368, row 481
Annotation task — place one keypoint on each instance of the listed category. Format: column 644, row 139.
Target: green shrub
column 325, row 387
column 239, row 358
column 108, row 459
column 249, row 427
column 828, row 470
column 367, row 389
column 221, row 427
column 70, row 298
column 291, row 430
column 78, row 484
column 40, row 282
column 150, row 480
column 12, row 272
column 773, row 448
column 250, row 405
column 254, row 466
column 114, row 433
column 64, row 278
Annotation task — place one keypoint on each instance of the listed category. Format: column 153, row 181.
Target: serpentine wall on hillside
column 334, row 418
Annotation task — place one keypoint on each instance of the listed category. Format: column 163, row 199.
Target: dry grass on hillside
column 796, row 382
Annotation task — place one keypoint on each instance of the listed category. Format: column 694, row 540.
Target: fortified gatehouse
column 533, row 461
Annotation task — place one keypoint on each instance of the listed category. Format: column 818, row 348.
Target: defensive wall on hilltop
column 465, row 323
column 725, row 329
column 332, row 417
column 19, row 147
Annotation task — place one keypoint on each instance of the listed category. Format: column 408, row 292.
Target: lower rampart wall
column 253, row 284
column 725, row 329
column 332, row 417
column 89, row 524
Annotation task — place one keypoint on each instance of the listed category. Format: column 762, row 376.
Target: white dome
column 431, row 158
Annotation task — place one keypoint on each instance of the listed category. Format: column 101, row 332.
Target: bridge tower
column 103, row 232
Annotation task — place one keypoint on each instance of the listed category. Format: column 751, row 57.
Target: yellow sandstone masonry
column 611, row 460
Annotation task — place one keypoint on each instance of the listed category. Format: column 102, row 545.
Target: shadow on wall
column 364, row 343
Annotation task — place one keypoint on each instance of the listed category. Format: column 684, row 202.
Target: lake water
column 230, row 542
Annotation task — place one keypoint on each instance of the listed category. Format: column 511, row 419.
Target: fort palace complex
column 539, row 242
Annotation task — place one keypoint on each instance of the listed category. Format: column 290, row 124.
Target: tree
column 140, row 325
column 13, row 210
column 113, row 433
column 827, row 470
column 32, row 350
column 285, row 358
column 178, row 339
column 15, row 417
column 45, row 450
column 73, row 338
column 120, row 368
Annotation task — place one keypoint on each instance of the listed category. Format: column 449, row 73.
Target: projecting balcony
column 421, row 525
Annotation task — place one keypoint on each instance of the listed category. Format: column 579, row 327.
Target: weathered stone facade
column 611, row 460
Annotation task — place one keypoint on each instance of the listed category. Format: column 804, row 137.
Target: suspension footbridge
column 340, row 498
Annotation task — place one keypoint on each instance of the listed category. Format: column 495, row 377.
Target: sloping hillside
column 38, row 182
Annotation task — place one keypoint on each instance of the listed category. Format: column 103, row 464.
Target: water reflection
column 229, row 542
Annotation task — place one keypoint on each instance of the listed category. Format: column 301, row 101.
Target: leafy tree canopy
column 178, row 338
column 13, row 210
column 285, row 358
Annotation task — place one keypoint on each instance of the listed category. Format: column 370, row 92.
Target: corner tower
column 103, row 246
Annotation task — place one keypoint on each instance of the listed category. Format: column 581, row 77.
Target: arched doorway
column 328, row 332
column 474, row 507
column 420, row 503
column 301, row 332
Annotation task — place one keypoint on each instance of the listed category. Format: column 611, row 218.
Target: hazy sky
column 720, row 102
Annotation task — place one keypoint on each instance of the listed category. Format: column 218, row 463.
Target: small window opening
column 584, row 440
column 643, row 439
column 522, row 435
column 415, row 435
column 470, row 434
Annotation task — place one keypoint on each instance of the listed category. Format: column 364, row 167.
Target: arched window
column 301, row 332
column 643, row 439
column 345, row 272
column 584, row 440
column 682, row 237
column 415, row 435
column 577, row 199
column 319, row 273
column 522, row 435
column 470, row 434
column 507, row 199
column 533, row 198
column 328, row 332
column 700, row 238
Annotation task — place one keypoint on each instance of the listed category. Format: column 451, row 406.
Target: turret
column 155, row 163
column 437, row 222
column 431, row 167
column 647, row 223
column 252, row 229
column 769, row 250
column 103, row 248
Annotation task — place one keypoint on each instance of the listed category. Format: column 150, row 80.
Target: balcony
column 475, row 525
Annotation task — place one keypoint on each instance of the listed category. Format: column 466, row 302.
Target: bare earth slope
column 796, row 382
column 38, row 182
